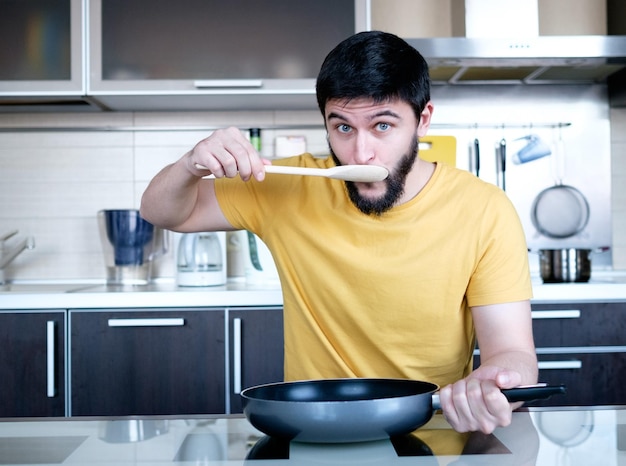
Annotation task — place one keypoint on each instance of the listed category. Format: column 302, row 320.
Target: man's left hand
column 476, row 403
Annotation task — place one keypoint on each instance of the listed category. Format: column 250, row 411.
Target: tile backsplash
column 52, row 183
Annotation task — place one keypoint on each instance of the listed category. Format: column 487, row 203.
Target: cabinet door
column 235, row 54
column 582, row 345
column 579, row 324
column 256, row 350
column 214, row 38
column 147, row 362
column 32, row 363
column 592, row 379
column 46, row 47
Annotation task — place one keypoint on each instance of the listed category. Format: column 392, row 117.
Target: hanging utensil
column 503, row 163
column 498, row 166
column 533, row 149
column 474, row 157
column 560, row 211
column 357, row 173
column 477, row 157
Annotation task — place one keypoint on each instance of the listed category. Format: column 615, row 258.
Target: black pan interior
column 329, row 390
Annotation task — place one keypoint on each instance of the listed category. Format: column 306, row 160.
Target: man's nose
column 363, row 149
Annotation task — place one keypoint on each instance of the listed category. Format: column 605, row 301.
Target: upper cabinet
column 198, row 54
column 41, row 58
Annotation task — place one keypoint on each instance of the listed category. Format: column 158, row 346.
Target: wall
column 446, row 18
column 618, row 181
column 53, row 183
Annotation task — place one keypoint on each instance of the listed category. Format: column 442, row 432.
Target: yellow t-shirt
column 384, row 296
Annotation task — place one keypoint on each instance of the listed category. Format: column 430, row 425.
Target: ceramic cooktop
column 537, row 437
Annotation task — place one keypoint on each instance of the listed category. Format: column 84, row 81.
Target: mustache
column 395, row 183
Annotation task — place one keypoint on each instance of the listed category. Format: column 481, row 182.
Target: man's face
column 363, row 132
column 377, row 205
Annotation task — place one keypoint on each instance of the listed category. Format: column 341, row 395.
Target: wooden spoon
column 359, row 173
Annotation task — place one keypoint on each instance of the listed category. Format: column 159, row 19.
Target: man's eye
column 383, row 126
column 344, row 128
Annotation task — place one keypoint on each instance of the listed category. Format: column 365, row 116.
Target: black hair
column 377, row 65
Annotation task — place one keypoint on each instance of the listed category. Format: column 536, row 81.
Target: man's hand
column 476, row 402
column 226, row 153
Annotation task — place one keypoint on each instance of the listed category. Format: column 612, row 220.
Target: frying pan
column 351, row 410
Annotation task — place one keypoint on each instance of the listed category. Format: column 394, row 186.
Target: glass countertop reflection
column 537, row 436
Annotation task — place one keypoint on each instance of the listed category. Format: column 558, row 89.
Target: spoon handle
column 285, row 170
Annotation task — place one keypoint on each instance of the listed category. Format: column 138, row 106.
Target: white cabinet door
column 42, row 49
column 198, row 54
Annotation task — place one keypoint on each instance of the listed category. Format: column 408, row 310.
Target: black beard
column 395, row 184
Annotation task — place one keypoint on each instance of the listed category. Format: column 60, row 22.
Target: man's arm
column 508, row 359
column 179, row 199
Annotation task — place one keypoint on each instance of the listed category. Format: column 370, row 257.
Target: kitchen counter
column 155, row 295
column 604, row 287
column 536, row 437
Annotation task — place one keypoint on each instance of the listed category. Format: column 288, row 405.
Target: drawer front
column 591, row 378
column 147, row 362
column 579, row 324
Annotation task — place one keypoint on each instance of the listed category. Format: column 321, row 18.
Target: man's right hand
column 226, row 153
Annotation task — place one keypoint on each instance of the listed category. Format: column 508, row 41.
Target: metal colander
column 560, row 211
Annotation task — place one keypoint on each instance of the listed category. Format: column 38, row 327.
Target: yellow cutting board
column 438, row 149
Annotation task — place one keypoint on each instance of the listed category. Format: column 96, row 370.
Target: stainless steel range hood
column 516, row 42
column 530, row 60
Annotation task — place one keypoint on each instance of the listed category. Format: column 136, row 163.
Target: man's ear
column 425, row 117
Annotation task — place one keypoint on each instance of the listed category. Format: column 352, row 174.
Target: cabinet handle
column 556, row 314
column 50, row 344
column 163, row 322
column 575, row 364
column 226, row 83
column 237, row 356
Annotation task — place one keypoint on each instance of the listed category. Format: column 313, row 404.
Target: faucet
column 7, row 255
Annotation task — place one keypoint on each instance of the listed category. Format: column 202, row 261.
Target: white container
column 258, row 263
column 201, row 259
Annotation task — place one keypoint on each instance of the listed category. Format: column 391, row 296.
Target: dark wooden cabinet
column 32, row 363
column 132, row 362
column 594, row 379
column 582, row 345
column 256, row 351
column 579, row 324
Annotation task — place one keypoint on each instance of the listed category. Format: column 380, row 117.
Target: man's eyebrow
column 332, row 115
column 391, row 113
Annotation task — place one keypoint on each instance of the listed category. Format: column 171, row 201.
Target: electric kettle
column 202, row 259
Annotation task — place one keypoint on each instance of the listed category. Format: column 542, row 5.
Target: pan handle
column 540, row 391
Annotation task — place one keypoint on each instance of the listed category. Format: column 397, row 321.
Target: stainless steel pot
column 566, row 265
